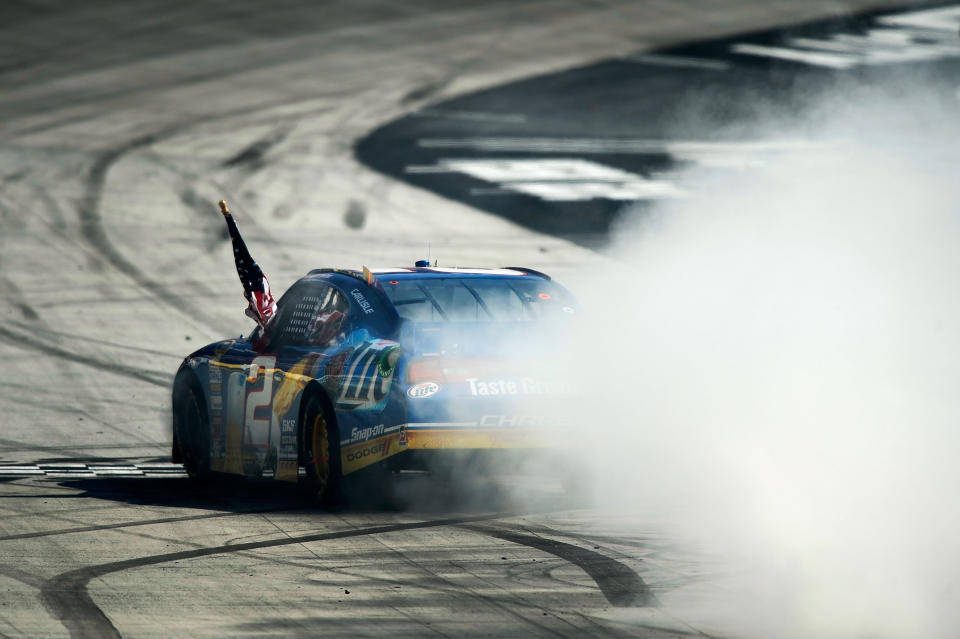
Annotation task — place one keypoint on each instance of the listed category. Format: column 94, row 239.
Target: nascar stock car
column 394, row 368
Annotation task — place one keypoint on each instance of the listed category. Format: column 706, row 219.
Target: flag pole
column 256, row 289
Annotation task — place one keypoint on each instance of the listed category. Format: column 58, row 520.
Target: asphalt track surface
column 121, row 123
column 570, row 153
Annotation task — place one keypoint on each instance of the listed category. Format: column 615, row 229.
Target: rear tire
column 320, row 450
column 191, row 427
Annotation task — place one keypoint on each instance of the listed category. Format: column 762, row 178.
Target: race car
column 396, row 368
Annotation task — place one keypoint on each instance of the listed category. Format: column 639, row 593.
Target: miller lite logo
column 423, row 390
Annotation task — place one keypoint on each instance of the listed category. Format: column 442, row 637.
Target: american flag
column 262, row 307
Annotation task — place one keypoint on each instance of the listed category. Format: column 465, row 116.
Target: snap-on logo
column 423, row 390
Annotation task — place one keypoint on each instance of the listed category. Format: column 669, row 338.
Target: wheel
column 191, row 428
column 320, row 450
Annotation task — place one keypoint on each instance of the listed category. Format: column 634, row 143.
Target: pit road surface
column 121, row 123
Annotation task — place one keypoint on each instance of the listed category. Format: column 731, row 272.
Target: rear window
column 309, row 314
column 453, row 299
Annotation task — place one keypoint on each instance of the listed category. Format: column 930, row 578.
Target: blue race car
column 392, row 368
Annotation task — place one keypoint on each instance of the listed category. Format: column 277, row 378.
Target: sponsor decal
column 425, row 389
column 403, row 436
column 523, row 421
column 362, row 434
column 376, row 449
column 367, row 378
column 216, row 402
column 521, row 386
column 362, row 301
column 389, row 361
column 216, row 375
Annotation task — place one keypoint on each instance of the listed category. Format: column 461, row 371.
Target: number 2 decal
column 259, row 398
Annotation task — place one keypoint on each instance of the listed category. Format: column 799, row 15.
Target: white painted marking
column 476, row 116
column 831, row 60
column 946, row 19
column 678, row 61
column 562, row 180
column 115, row 472
column 637, row 189
column 601, row 145
column 537, row 169
column 906, row 37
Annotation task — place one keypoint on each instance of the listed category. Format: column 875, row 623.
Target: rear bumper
column 447, row 435
column 486, row 461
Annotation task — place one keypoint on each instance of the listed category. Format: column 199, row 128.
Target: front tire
column 191, row 427
column 320, row 450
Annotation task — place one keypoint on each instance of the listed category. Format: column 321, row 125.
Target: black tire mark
column 132, row 524
column 93, row 231
column 66, row 596
column 22, row 576
column 94, row 340
column 619, row 583
column 450, row 586
column 15, row 298
column 59, row 223
column 150, row 377
column 251, row 157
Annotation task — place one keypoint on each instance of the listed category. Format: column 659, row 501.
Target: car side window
column 311, row 314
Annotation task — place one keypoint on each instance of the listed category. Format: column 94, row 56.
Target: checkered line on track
column 92, row 470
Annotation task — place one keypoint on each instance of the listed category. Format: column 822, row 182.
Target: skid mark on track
column 252, row 157
column 150, row 377
column 93, row 340
column 22, row 576
column 132, row 524
column 437, row 582
column 93, row 231
column 67, row 598
column 619, row 583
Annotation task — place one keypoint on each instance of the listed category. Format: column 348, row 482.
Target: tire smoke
column 778, row 376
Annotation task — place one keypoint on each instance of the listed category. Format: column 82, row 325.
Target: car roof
column 430, row 272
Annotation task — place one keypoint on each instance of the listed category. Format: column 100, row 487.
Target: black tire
column 191, row 427
column 320, row 452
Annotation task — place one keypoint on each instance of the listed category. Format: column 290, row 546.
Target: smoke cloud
column 774, row 362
